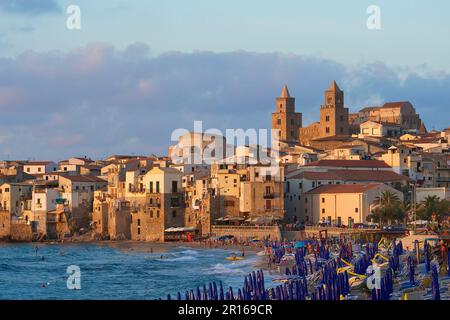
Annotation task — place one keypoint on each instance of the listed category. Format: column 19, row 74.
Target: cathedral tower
column 285, row 118
column 333, row 114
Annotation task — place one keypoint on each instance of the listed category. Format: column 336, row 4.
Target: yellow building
column 343, row 204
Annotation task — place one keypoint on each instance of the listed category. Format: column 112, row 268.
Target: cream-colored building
column 343, row 204
column 14, row 198
column 379, row 129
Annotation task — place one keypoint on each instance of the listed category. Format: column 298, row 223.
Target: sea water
column 111, row 272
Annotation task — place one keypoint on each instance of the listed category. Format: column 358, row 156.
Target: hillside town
column 376, row 168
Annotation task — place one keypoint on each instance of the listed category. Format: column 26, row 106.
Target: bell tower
column 333, row 114
column 285, row 118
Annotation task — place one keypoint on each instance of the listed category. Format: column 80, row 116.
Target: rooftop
column 84, row 179
column 353, row 175
column 349, row 164
column 344, row 188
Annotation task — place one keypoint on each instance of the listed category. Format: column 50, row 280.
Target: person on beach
column 36, row 249
column 243, row 252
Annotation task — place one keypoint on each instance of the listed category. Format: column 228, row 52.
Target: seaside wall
column 21, row 231
column 246, row 232
column 5, row 224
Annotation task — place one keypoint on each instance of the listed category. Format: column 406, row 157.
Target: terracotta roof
column 398, row 104
column 353, row 175
column 335, row 138
column 84, row 179
column 369, row 109
column 344, row 188
column 349, row 164
column 37, row 163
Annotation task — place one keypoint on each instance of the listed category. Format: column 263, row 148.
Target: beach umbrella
column 221, row 297
column 240, row 296
column 210, row 292
column 215, row 291
column 411, row 270
column 178, row 296
column 435, row 283
column 448, row 263
column 427, row 256
column 205, row 294
column 230, row 289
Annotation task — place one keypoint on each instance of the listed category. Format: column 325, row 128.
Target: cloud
column 98, row 100
column 31, row 7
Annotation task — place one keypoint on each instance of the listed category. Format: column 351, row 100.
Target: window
column 327, row 118
column 39, row 169
column 174, row 214
column 323, row 210
column 356, row 210
column 342, row 130
column 287, row 186
column 323, row 200
column 151, row 186
column 341, row 118
column 327, row 129
column 139, row 231
column 279, row 122
column 174, row 186
column 139, row 222
column 292, row 121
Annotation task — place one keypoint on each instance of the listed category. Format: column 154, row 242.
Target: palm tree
column 387, row 199
column 433, row 205
column 388, row 208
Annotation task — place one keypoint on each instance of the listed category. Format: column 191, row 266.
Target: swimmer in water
column 36, row 249
column 43, row 258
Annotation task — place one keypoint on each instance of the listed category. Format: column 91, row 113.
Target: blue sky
column 203, row 59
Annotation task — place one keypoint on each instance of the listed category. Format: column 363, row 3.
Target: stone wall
column 5, row 224
column 247, row 232
column 21, row 231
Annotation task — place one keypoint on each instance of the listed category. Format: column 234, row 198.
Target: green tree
column 430, row 205
column 389, row 208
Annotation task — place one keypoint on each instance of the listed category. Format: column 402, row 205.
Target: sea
column 111, row 272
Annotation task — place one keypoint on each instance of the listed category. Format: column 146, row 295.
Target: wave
column 189, row 252
column 235, row 268
column 184, row 258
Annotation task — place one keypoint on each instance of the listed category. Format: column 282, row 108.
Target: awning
column 180, row 229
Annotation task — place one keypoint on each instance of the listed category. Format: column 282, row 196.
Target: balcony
column 269, row 195
column 154, row 205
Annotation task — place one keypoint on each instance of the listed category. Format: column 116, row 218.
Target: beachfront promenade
column 275, row 233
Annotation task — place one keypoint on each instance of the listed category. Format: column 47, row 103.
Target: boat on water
column 234, row 257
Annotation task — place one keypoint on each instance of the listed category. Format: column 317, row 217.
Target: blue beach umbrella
column 221, row 296
column 435, row 283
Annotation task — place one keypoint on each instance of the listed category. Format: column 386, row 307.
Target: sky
column 137, row 70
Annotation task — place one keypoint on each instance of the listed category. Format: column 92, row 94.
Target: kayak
column 234, row 258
